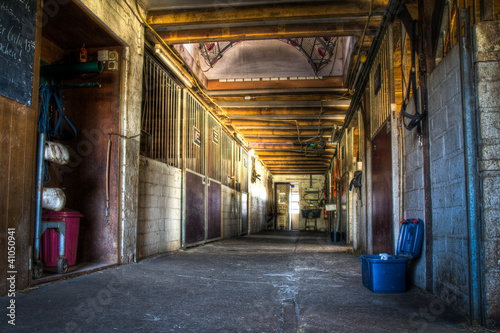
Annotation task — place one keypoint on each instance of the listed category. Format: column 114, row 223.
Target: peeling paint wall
column 305, row 182
column 159, row 216
column 117, row 17
column 449, row 212
column 487, row 67
column 230, row 212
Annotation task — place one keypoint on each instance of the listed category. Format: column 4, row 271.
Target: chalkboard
column 17, row 49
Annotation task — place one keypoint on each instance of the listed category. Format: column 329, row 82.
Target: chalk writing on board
column 17, row 49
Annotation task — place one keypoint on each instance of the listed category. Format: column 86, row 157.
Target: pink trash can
column 49, row 248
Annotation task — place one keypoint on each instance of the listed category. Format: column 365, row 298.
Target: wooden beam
column 292, row 159
column 274, row 164
column 232, row 34
column 327, row 82
column 283, row 111
column 337, row 103
column 277, row 124
column 273, row 92
column 285, row 127
column 284, row 97
column 310, row 11
column 276, row 139
column 277, row 132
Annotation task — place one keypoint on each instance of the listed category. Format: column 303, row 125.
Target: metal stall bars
column 228, row 176
column 194, row 223
column 161, row 114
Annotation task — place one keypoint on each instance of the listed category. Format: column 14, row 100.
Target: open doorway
column 80, row 84
column 294, row 206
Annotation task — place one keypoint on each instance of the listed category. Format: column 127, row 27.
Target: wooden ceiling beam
column 284, row 97
column 327, row 82
column 276, row 139
column 277, row 92
column 278, row 132
column 232, row 34
column 334, row 103
column 283, row 111
column 285, row 122
column 311, row 11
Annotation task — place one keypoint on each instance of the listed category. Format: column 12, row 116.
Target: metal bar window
column 214, row 148
column 160, row 117
column 194, row 135
column 381, row 87
column 227, row 159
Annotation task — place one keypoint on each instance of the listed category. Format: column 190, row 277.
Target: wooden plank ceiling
column 287, row 120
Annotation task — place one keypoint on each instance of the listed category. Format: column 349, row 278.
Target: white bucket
column 53, row 198
column 56, row 152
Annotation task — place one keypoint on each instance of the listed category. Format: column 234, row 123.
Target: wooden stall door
column 214, row 211
column 195, row 209
column 382, row 230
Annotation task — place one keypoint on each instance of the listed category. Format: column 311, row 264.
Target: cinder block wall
column 414, row 195
column 230, row 212
column 487, row 67
column 159, row 216
column 449, row 214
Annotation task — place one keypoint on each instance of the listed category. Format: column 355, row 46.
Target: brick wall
column 487, row 66
column 159, row 216
column 449, row 214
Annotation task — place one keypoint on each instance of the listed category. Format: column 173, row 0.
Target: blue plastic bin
column 389, row 276
column 384, row 276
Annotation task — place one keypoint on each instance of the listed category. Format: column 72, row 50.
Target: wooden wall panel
column 17, row 179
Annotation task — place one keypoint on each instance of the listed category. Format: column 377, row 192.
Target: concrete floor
column 267, row 282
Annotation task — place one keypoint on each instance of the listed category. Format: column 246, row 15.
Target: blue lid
column 410, row 239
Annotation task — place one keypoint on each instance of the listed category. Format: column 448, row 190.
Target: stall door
column 382, row 231
column 194, row 151
column 195, row 209
column 283, row 200
column 214, row 211
column 214, row 165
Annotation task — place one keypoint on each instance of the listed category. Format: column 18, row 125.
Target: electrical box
column 103, row 55
column 113, row 61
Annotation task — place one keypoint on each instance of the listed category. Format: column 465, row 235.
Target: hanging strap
column 59, row 132
column 416, row 118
